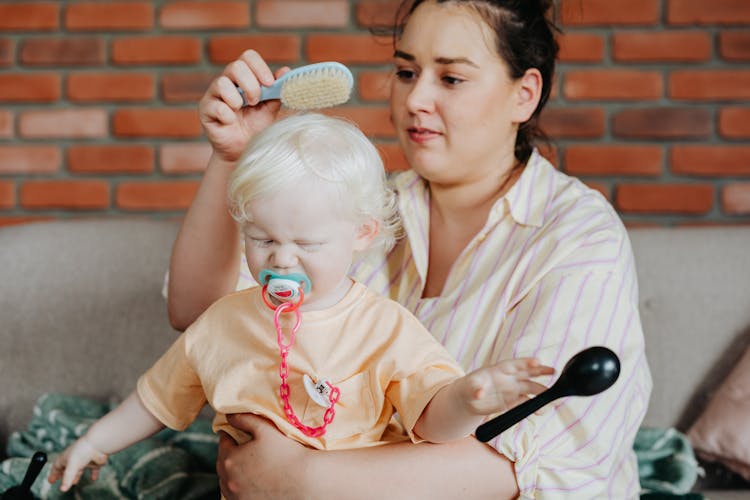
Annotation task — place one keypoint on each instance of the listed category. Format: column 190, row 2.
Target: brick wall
column 98, row 99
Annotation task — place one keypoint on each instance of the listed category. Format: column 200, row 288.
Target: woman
column 503, row 257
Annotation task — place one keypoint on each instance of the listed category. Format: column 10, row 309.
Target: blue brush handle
column 274, row 91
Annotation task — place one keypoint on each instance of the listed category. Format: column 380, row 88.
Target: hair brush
column 314, row 86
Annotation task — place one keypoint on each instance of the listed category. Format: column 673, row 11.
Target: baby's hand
column 503, row 385
column 71, row 463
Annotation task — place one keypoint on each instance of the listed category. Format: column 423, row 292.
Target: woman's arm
column 274, row 466
column 205, row 256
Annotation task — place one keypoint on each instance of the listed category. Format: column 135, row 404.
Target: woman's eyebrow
column 440, row 60
column 402, row 55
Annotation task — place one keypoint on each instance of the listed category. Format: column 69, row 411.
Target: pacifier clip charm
column 286, row 288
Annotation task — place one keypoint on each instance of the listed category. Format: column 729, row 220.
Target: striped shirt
column 550, row 273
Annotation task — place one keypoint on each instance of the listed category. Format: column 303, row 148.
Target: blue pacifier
column 284, row 287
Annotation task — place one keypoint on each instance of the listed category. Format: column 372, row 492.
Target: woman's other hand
column 271, row 465
column 228, row 125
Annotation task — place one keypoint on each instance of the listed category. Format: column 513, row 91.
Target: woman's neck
column 457, row 214
column 471, row 200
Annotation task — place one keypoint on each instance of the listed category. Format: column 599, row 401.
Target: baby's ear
column 366, row 232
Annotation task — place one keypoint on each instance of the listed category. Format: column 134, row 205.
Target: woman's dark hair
column 524, row 30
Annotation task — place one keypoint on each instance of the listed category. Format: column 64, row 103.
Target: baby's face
column 301, row 230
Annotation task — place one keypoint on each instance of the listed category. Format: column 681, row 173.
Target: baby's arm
column 127, row 424
column 458, row 408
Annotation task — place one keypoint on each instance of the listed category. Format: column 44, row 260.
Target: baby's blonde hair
column 320, row 151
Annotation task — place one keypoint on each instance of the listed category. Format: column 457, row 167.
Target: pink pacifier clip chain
column 284, row 391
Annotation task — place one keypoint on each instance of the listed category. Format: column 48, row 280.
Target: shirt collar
column 523, row 200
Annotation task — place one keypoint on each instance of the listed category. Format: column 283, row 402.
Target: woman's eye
column 404, row 74
column 452, row 80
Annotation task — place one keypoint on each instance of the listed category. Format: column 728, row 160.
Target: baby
column 322, row 357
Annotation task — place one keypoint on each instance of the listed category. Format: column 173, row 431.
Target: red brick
column 609, row 12
column 376, row 13
column 187, row 15
column 735, row 198
column 649, row 46
column 29, row 159
column 393, row 157
column 156, row 50
column 111, row 16
column 145, row 122
column 600, row 159
column 37, row 87
column 65, row 194
column 7, row 51
column 154, row 196
column 63, row 51
column 734, row 123
column 570, row 122
column 184, row 158
column 663, row 123
column 692, row 199
column 374, row 85
column 725, row 160
column 185, row 87
column 6, row 124
column 734, row 45
column 274, row 48
column 63, row 123
column 603, row 84
column 113, row 87
column 702, row 12
column 7, row 194
column 27, row 16
column 709, row 85
column 581, row 47
column 302, row 13
column 108, row 159
column 360, row 49
column 374, row 121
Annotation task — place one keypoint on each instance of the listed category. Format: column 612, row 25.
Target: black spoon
column 589, row 372
column 23, row 492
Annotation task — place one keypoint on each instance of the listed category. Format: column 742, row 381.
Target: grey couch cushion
column 65, row 288
column 695, row 306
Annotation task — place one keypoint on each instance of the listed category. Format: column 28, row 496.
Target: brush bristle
column 321, row 88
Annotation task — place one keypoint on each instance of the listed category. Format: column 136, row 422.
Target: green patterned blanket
column 169, row 465
column 182, row 464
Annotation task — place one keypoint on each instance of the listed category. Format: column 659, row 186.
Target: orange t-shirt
column 376, row 352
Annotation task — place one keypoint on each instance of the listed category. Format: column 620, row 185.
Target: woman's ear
column 366, row 232
column 528, row 92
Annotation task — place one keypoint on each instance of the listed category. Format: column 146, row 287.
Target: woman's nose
column 420, row 97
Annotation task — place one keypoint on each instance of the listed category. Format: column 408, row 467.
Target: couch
column 81, row 312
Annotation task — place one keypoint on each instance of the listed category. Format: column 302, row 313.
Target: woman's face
column 453, row 104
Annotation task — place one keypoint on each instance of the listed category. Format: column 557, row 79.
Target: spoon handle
column 492, row 428
column 35, row 466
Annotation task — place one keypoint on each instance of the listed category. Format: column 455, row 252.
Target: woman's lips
column 422, row 135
